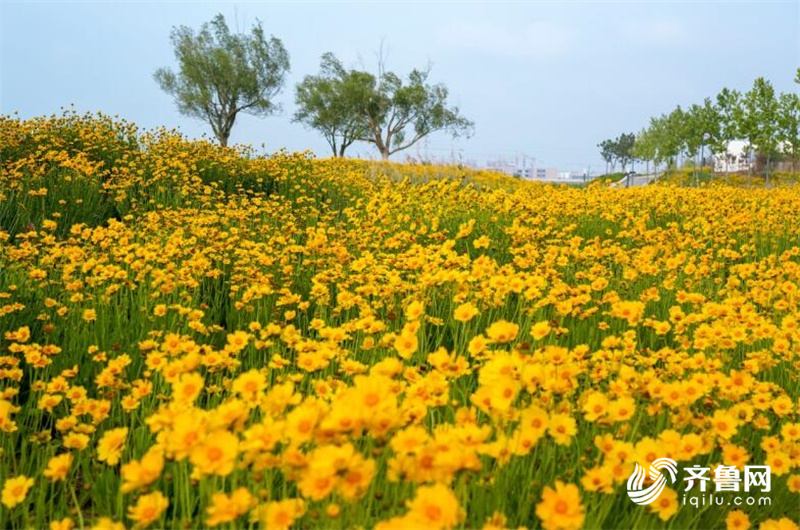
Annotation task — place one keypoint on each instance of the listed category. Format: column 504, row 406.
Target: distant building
column 737, row 158
column 549, row 173
column 501, row 166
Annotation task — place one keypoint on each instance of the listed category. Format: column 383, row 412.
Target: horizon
column 543, row 82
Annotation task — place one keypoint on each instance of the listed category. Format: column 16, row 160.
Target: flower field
column 196, row 336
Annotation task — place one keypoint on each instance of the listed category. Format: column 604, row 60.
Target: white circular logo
column 646, row 496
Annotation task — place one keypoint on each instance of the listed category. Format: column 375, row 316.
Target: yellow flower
column 724, row 424
column 784, row 523
column 187, row 388
column 540, row 330
column 598, row 479
column 148, row 509
column 562, row 428
column 15, row 489
column 737, row 520
column 226, row 508
column 793, row 483
column 356, row 478
column 621, row 409
column 630, row 311
column 779, row 463
column 434, row 507
column 666, row 505
column 465, row 312
column 215, row 454
column 110, row 446
column 481, row 242
column 415, row 310
column 280, row 515
column 502, row 331
column 250, row 384
column 89, row 315
column 595, row 407
column 76, row 440
column 107, row 523
column 21, row 335
column 561, row 508
column 58, row 467
column 64, row 524
column 138, row 474
column 477, row 345
column 406, row 344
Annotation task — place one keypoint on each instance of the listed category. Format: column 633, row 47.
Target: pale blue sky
column 547, row 79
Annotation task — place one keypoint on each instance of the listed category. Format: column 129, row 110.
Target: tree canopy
column 331, row 102
column 619, row 150
column 767, row 122
column 393, row 114
column 221, row 74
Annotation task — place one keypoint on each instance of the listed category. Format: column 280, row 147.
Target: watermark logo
column 641, row 495
column 725, row 479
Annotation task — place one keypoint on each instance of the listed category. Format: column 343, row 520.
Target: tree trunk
column 766, row 171
column 385, row 154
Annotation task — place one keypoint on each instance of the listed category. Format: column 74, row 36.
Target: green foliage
column 330, row 103
column 728, row 107
column 618, row 150
column 760, row 118
column 383, row 110
column 789, row 124
column 768, row 122
column 222, row 74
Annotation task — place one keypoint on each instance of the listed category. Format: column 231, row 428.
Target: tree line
column 767, row 122
column 221, row 74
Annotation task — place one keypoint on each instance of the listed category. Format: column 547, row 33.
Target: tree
column 646, row 146
column 607, row 152
column 332, row 101
column 760, row 120
column 789, row 125
column 674, row 135
column 221, row 74
column 397, row 115
column 623, row 149
column 728, row 111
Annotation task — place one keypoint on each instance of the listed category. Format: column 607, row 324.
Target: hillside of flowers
column 194, row 336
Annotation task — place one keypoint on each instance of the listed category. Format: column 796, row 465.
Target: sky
column 544, row 82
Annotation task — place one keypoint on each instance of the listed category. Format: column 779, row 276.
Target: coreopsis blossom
column 465, row 312
column 406, row 344
column 110, row 446
column 15, row 489
column 434, row 507
column 215, row 454
column 107, row 523
column 138, row 474
column 58, row 467
column 187, row 387
column 561, row 507
column 502, row 331
column 227, row 508
column 562, row 427
column 148, row 509
column 666, row 505
column 540, row 330
column 737, row 520
column 64, row 524
column 415, row 310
